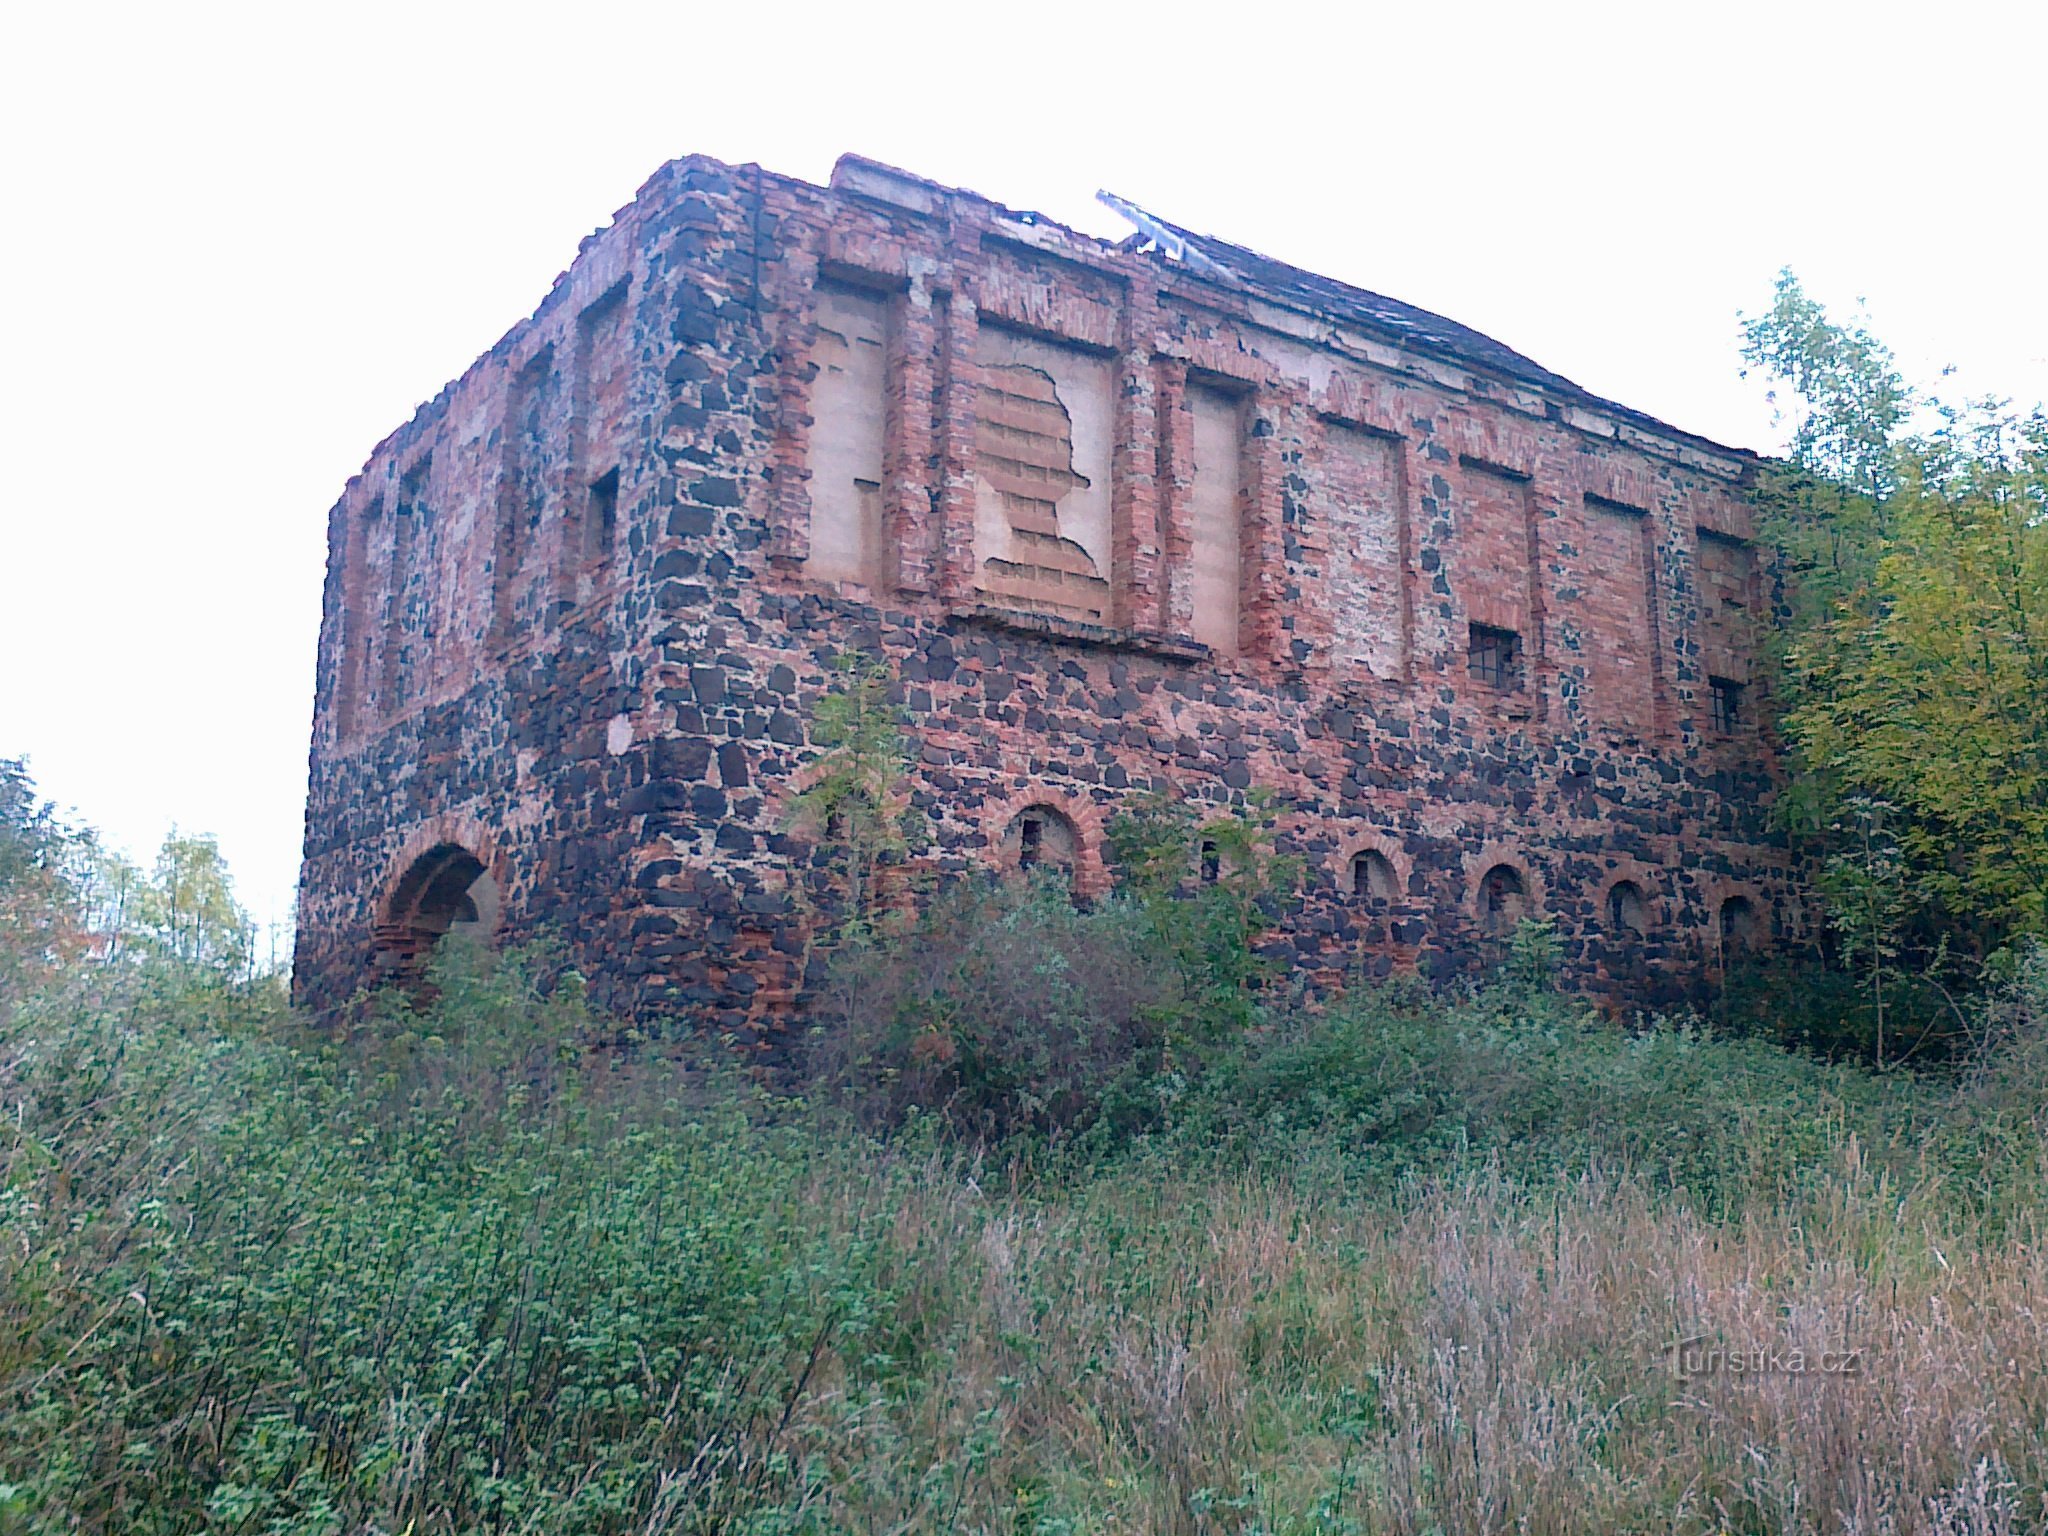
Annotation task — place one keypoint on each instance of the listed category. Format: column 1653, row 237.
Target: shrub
column 1398, row 1083
column 1003, row 1009
column 450, row 1275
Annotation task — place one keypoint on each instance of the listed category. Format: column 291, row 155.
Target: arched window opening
column 1373, row 877
column 1212, row 862
column 1041, row 837
column 1741, row 927
column 1503, row 899
column 1628, row 911
column 446, row 891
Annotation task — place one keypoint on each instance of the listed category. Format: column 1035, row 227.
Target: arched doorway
column 446, row 891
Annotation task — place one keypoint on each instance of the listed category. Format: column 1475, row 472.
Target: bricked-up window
column 1726, row 695
column 522, row 482
column 1216, row 518
column 1372, row 876
column 395, row 592
column 601, row 517
column 849, row 410
column 1627, row 909
column 1494, row 657
column 412, row 519
column 357, row 587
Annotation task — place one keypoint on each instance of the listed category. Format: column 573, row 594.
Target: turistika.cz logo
column 1696, row 1356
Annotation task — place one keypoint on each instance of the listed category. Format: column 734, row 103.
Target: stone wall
column 1120, row 516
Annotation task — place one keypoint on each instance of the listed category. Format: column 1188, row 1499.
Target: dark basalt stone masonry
column 1158, row 513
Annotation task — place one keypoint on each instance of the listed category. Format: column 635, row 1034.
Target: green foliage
column 40, row 862
column 187, row 910
column 1848, row 399
column 1398, row 1084
column 1004, row 1009
column 1534, row 952
column 1913, row 671
column 1209, row 888
column 449, row 1276
column 854, row 805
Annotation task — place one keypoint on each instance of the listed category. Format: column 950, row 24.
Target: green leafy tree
column 1913, row 670
column 42, row 920
column 1864, row 882
column 187, row 908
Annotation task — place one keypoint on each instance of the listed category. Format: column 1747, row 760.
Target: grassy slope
column 1408, row 1269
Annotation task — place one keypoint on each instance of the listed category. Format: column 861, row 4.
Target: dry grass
column 1179, row 1355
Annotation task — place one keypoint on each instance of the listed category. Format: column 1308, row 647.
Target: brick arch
column 456, row 827
column 1718, row 894
column 1371, row 840
column 1091, row 872
column 1535, row 893
column 400, row 939
column 1648, row 879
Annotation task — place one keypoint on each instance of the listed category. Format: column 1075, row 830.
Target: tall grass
column 1412, row 1268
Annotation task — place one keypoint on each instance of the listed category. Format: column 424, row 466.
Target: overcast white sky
column 242, row 244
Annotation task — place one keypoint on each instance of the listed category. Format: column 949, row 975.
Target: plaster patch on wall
column 1362, row 513
column 849, row 417
column 1043, row 422
column 1217, row 531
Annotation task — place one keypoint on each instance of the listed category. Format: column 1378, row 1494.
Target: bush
column 451, row 1275
column 1004, row 1010
column 1399, row 1083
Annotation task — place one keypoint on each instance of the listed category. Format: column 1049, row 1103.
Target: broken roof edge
column 863, row 176
column 1207, row 258
column 1233, row 258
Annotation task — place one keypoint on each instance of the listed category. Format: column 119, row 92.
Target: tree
column 1207, row 886
column 1913, row 671
column 41, row 916
column 187, row 908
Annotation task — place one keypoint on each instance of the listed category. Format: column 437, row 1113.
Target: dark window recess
column 1740, row 927
column 1372, row 877
column 1030, row 842
column 601, row 527
column 1494, row 657
column 1628, row 911
column 1503, row 900
column 1212, row 862
column 1727, row 698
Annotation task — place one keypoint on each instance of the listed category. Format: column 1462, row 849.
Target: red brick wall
column 615, row 731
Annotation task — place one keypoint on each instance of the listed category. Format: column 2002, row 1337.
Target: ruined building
column 1158, row 513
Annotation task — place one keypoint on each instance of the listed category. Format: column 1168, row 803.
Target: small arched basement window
column 1041, row 837
column 1503, row 899
column 1373, row 877
column 1741, row 927
column 1628, row 910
